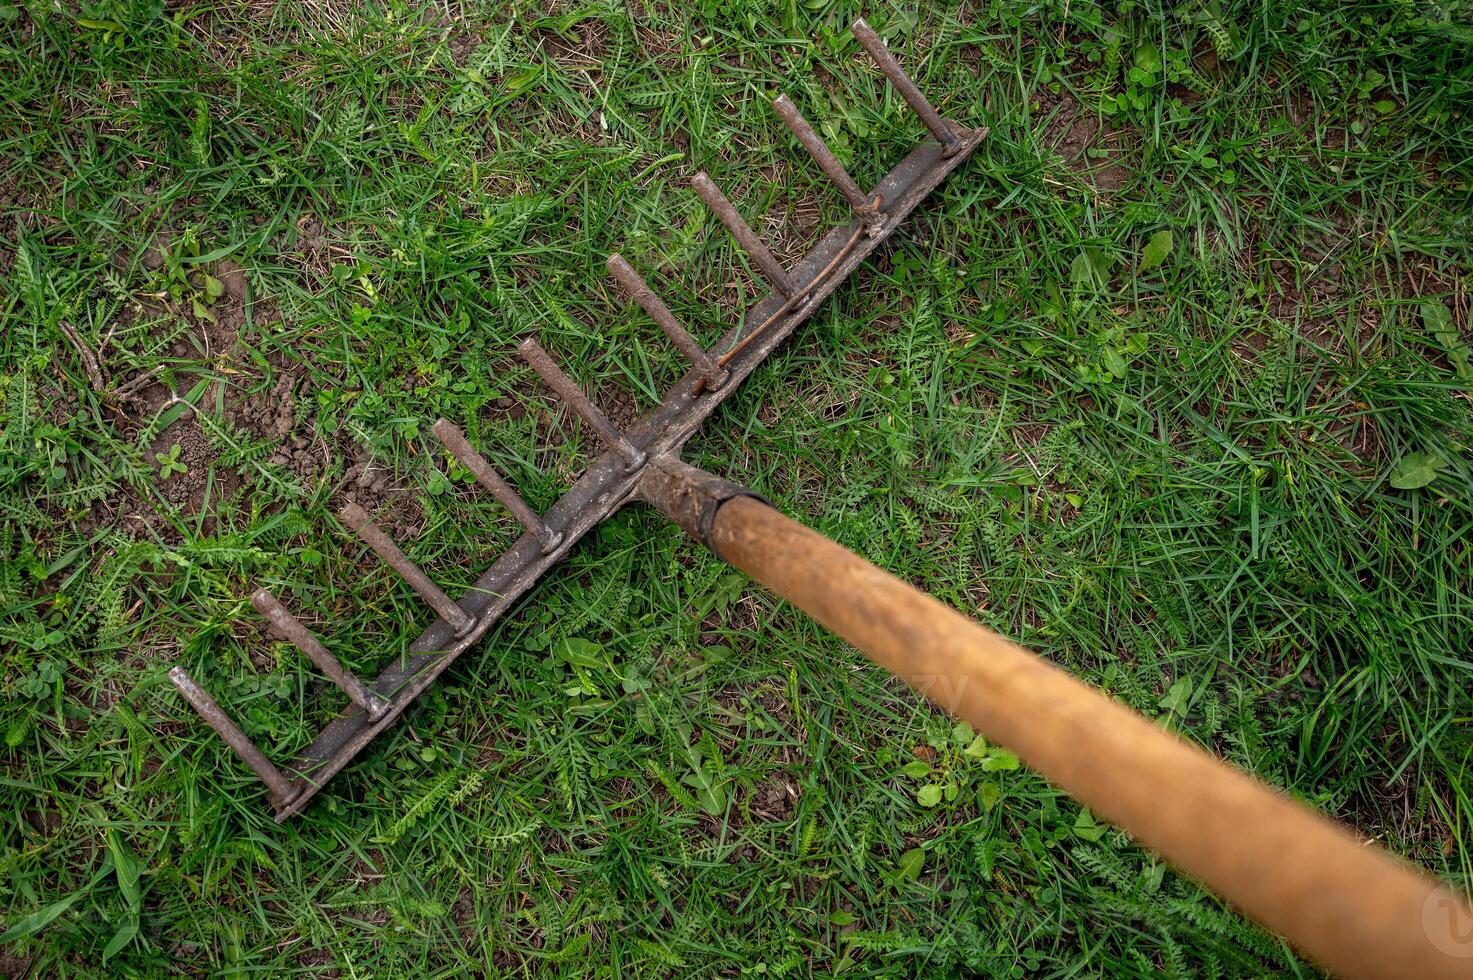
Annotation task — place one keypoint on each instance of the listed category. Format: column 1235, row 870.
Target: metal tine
column 867, row 209
column 267, row 605
column 639, row 291
column 767, row 263
column 373, row 536
column 934, row 121
column 567, row 389
column 455, row 441
column 278, row 788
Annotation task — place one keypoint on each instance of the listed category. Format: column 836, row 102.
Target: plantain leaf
column 1415, row 470
column 908, row 868
column 1156, row 250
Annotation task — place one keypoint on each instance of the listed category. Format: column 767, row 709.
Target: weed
column 169, row 463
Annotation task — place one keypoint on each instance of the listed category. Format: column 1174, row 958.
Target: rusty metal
column 638, row 290
column 459, row 446
column 289, row 626
column 951, row 142
column 607, row 484
column 1355, row 909
column 567, row 389
column 828, row 163
column 278, row 789
column 767, row 264
column 610, row 480
column 688, row 496
column 357, row 518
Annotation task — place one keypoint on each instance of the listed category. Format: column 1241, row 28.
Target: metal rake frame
column 611, row 478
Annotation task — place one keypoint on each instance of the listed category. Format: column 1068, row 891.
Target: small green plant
column 1156, row 251
column 1416, row 470
column 956, row 756
column 183, row 279
column 1439, row 323
column 1142, row 78
column 170, row 464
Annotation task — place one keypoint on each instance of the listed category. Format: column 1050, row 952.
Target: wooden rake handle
column 1352, row 907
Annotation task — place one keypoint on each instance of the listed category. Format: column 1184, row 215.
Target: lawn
column 1169, row 383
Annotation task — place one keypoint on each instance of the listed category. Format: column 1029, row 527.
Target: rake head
column 610, row 480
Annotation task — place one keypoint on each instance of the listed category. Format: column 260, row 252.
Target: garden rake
column 1354, row 908
column 611, row 478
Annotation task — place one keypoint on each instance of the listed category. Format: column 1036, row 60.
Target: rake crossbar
column 610, row 480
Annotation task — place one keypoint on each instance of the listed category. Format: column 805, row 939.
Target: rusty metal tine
column 767, row 263
column 373, row 536
column 455, row 441
column 277, row 786
column 935, row 122
column 639, row 291
column 567, row 389
column 289, row 626
column 827, row 162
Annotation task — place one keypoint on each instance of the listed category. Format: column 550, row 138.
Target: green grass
column 1186, row 483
